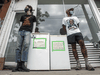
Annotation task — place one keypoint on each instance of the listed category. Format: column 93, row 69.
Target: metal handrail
column 6, row 17
column 4, row 27
column 95, row 11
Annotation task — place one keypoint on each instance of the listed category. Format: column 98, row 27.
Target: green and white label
column 58, row 46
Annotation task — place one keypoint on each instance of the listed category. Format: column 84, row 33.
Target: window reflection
column 53, row 23
column 12, row 43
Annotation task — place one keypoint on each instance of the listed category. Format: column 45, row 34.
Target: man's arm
column 78, row 24
column 34, row 26
column 20, row 24
column 64, row 27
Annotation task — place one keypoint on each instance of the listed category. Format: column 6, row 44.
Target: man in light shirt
column 71, row 25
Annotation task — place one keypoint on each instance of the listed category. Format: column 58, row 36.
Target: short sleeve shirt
column 27, row 22
column 71, row 25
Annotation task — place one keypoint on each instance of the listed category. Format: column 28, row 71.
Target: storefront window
column 49, row 16
column 12, row 43
column 53, row 22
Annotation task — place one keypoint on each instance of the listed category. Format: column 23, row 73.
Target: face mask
column 26, row 9
column 71, row 12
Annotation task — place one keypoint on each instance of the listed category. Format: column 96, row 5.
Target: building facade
column 49, row 20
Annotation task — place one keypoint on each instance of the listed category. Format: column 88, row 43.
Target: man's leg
column 19, row 46
column 26, row 44
column 84, row 52
column 78, row 66
column 83, row 49
column 18, row 52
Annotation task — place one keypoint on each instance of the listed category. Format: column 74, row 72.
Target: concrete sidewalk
column 72, row 72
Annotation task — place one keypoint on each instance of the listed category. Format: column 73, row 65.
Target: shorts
column 74, row 38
